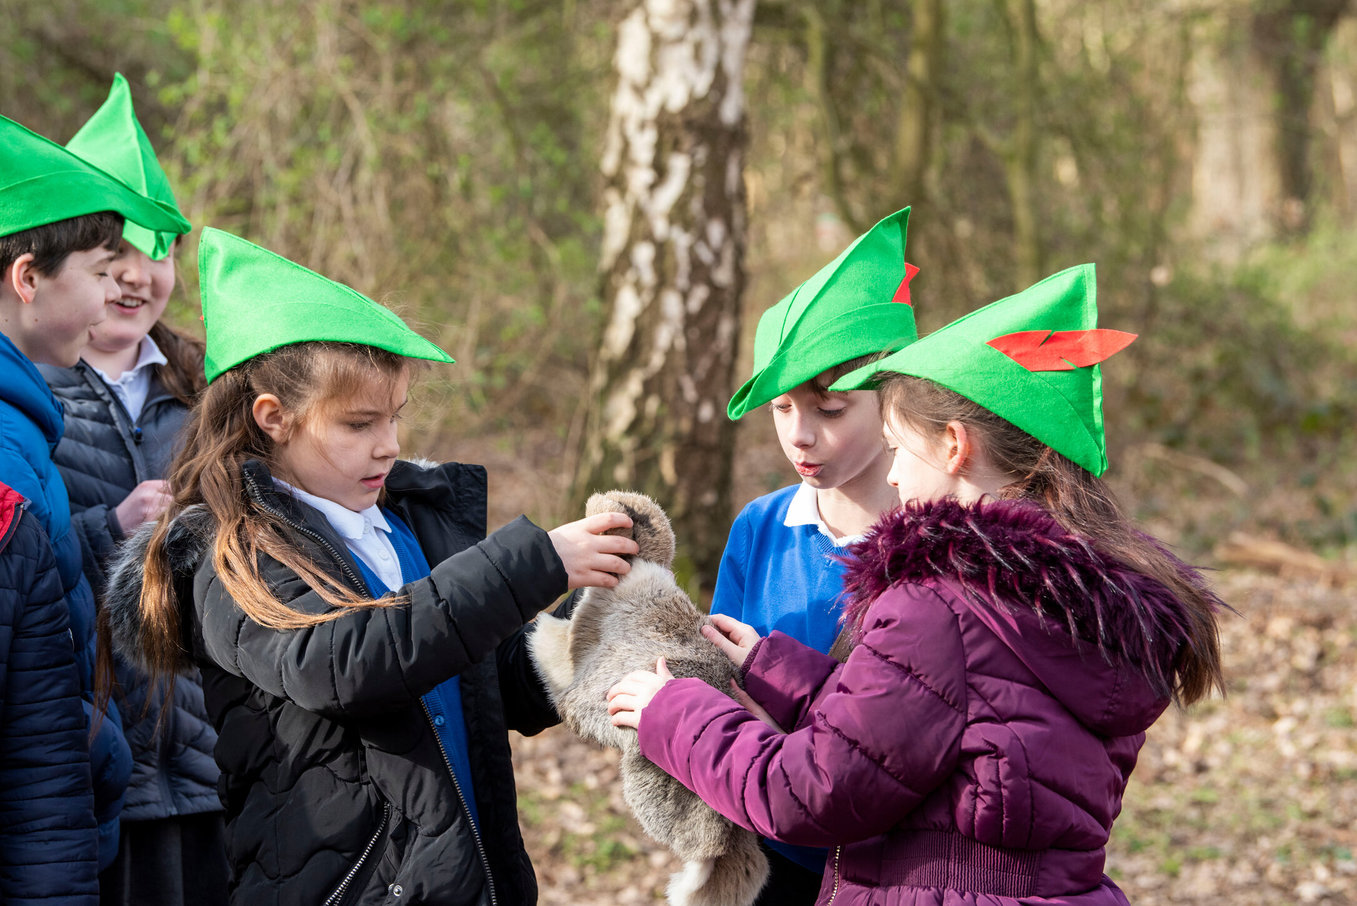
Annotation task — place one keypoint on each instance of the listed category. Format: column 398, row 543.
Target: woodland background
column 469, row 163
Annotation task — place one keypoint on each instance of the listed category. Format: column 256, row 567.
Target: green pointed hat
column 1031, row 359
column 856, row 305
column 114, row 141
column 41, row 183
column 255, row 301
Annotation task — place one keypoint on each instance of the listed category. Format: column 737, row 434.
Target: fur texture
column 1014, row 551
column 614, row 631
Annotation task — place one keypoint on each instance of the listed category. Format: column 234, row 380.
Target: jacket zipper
column 338, row 895
column 475, row 831
column 834, row 892
column 257, row 496
column 358, row 583
column 13, row 523
column 360, row 586
column 128, row 430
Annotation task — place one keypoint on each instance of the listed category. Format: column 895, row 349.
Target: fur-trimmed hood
column 190, row 540
column 1013, row 557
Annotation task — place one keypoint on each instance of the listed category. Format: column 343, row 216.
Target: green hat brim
column 21, row 205
column 892, row 327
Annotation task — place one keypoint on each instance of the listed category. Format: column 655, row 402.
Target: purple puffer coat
column 970, row 750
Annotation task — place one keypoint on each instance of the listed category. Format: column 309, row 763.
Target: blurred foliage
column 444, row 159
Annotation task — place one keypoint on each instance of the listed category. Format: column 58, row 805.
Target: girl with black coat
column 360, row 640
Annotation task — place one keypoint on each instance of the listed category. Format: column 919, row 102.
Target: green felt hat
column 114, row 141
column 1031, row 359
column 856, row 305
column 255, row 301
column 41, row 183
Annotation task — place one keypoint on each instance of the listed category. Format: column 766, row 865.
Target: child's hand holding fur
column 591, row 552
column 735, row 639
column 628, row 698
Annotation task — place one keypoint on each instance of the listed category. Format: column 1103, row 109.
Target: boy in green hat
column 126, row 402
column 362, row 641
column 1011, row 637
column 779, row 569
column 60, row 219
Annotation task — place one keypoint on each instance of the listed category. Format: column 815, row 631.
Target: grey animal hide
column 613, row 632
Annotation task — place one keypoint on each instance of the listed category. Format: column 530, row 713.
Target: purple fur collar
column 1014, row 555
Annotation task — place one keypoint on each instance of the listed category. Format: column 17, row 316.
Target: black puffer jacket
column 336, row 788
column 102, row 456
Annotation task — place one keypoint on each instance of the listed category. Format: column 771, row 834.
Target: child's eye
column 832, row 413
column 360, row 426
column 780, row 407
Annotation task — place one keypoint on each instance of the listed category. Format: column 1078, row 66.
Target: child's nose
column 133, row 275
column 388, row 444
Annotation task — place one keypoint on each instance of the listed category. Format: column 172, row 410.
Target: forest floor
column 1247, row 799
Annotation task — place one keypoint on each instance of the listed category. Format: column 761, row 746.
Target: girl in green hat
column 779, row 569
column 361, row 641
column 125, row 403
column 1012, row 636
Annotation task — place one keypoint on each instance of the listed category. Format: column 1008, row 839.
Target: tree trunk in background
column 673, row 270
column 1021, row 150
column 1289, row 37
column 914, row 137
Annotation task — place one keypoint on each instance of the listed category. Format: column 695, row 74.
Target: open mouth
column 130, row 303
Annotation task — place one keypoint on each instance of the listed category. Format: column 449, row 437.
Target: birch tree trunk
column 672, row 269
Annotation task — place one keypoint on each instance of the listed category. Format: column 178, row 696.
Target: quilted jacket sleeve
column 48, row 842
column 884, row 731
column 379, row 656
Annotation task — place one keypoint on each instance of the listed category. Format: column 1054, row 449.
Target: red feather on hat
column 902, row 291
column 1061, row 350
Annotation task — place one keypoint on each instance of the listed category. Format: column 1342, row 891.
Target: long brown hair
column 221, row 436
column 1080, row 501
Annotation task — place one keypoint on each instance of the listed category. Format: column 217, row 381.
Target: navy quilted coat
column 48, row 842
column 335, row 784
column 102, row 457
column 971, row 750
column 30, row 426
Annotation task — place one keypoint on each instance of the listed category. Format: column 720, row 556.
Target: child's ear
column 22, row 279
column 958, row 448
column 271, row 417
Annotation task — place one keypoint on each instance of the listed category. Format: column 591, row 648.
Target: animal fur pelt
column 614, row 631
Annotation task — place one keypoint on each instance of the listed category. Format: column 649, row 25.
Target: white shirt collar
column 804, row 509
column 148, row 354
column 351, row 526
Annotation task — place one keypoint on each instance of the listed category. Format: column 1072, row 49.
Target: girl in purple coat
column 1014, row 636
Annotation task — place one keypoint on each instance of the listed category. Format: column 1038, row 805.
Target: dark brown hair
column 1080, row 501
column 52, row 243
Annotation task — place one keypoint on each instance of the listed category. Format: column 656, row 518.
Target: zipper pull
column 136, row 436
